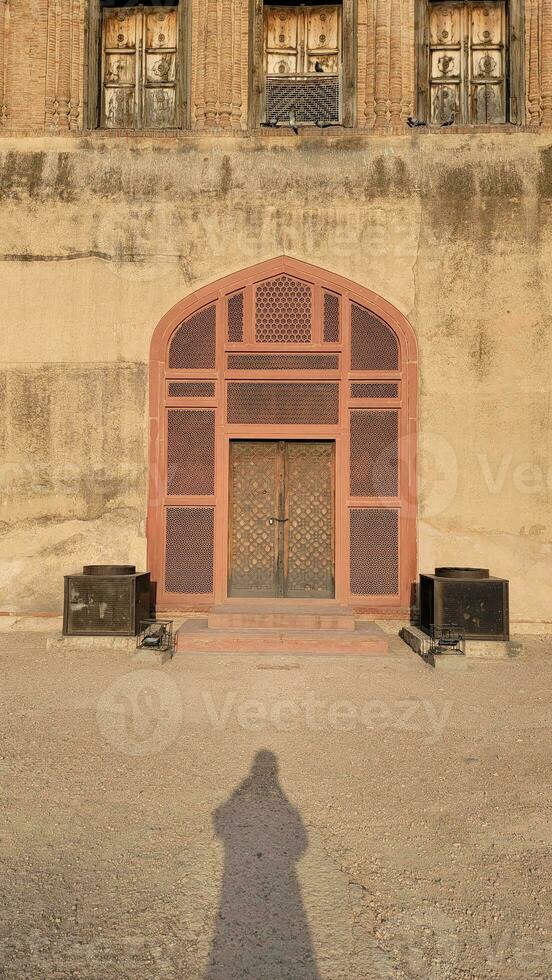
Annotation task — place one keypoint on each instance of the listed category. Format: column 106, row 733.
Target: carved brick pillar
column 76, row 71
column 239, row 52
column 395, row 63
column 226, row 66
column 58, row 65
column 4, row 51
column 408, row 81
column 533, row 61
column 382, row 63
column 546, row 65
column 211, row 63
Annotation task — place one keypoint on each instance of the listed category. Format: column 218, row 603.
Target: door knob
column 279, row 520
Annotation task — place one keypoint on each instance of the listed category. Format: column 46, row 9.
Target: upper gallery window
column 468, row 59
column 140, row 78
column 302, row 64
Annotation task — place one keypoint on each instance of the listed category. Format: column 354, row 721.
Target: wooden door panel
column 254, row 542
column 309, row 525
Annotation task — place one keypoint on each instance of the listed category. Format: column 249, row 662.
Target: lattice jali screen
column 283, row 362
column 235, row 318
column 283, row 311
column 189, row 550
column 375, row 389
column 374, row 345
column 259, row 403
column 374, row 462
column 193, row 344
column 190, row 452
column 191, row 389
column 374, row 551
column 331, row 318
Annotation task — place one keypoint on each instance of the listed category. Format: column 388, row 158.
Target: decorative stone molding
column 64, row 64
column 546, row 63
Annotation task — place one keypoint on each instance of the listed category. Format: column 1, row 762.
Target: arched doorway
column 282, row 443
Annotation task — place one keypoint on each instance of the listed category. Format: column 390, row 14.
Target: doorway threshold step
column 265, row 616
column 196, row 636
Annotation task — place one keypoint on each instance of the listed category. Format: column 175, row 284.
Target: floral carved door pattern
column 467, row 65
column 282, row 519
column 139, row 67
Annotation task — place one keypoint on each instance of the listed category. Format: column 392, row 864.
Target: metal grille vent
column 283, row 311
column 374, row 454
column 374, row 546
column 235, row 318
column 311, row 99
column 191, row 389
column 283, row 404
column 374, row 346
column 190, row 452
column 331, row 318
column 189, row 555
column 374, row 390
column 194, row 342
column 283, row 362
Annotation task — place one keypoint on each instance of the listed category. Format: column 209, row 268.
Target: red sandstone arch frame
column 365, row 361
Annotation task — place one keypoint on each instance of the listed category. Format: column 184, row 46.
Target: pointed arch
column 283, row 350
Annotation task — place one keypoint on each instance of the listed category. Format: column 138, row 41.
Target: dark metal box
column 468, row 598
column 106, row 600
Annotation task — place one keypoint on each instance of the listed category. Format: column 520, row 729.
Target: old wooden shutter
column 139, row 68
column 468, row 63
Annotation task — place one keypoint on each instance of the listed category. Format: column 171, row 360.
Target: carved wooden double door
column 281, row 519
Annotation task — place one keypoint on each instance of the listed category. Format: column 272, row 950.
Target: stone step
column 284, row 617
column 196, row 636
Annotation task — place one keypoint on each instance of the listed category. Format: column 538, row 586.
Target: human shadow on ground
column 261, row 929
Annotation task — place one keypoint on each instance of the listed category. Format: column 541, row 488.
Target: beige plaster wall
column 99, row 237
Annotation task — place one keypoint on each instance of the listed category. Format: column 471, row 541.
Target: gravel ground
column 272, row 818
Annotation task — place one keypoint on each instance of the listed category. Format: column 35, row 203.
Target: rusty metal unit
column 467, row 598
column 106, row 600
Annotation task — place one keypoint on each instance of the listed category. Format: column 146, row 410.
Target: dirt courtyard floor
column 267, row 818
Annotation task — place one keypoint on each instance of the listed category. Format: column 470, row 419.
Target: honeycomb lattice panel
column 331, row 318
column 311, row 99
column 310, row 520
column 190, row 452
column 235, row 318
column 189, row 553
column 259, row 403
column 374, row 551
column 374, row 346
column 283, row 311
column 374, row 389
column 283, row 362
column 374, row 465
column 194, row 342
column 191, row 389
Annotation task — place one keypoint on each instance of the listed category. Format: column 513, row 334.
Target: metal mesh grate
column 331, row 318
column 191, row 389
column 374, row 465
column 235, row 318
column 283, row 362
column 374, row 551
column 310, row 99
column 374, row 346
column 194, row 342
column 190, row 452
column 283, row 311
column 283, row 404
column 374, row 390
column 189, row 555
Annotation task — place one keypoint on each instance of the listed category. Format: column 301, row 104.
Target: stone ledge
column 106, row 644
column 474, row 649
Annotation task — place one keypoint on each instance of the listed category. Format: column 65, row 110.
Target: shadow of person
column 261, row 929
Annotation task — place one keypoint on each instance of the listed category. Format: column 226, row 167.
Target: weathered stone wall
column 100, row 237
